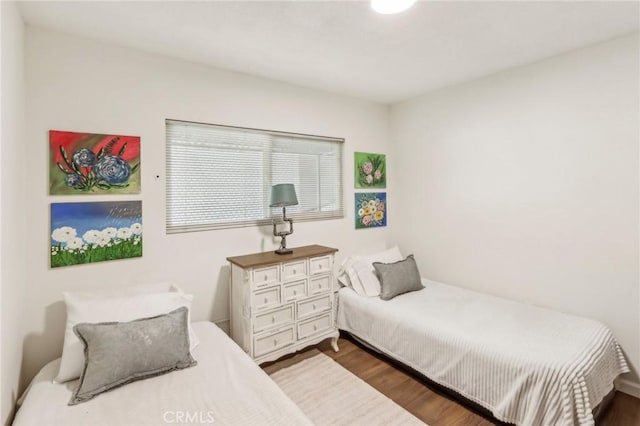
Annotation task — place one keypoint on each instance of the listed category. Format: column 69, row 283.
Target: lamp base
column 284, row 251
column 283, row 243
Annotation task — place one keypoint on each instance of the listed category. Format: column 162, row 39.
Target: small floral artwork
column 88, row 163
column 371, row 170
column 370, row 209
column 94, row 232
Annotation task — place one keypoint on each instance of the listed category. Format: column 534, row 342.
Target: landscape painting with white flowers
column 90, row 163
column 95, row 232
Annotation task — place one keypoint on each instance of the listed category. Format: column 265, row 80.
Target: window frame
column 270, row 213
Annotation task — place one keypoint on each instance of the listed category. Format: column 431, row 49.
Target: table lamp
column 283, row 195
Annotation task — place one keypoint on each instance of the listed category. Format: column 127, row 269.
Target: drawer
column 264, row 276
column 273, row 341
column 267, row 298
column 320, row 265
column 294, row 291
column 319, row 285
column 314, row 326
column 314, row 306
column 273, row 318
column 294, row 270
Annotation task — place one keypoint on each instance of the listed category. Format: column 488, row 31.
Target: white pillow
column 343, row 276
column 352, row 272
column 81, row 308
column 388, row 256
column 135, row 290
column 368, row 284
column 361, row 273
column 348, row 274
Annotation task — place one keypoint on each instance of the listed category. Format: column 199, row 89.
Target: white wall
column 81, row 85
column 13, row 165
column 525, row 184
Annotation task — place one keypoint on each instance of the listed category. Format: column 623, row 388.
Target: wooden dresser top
column 270, row 257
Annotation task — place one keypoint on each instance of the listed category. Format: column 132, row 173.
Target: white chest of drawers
column 282, row 303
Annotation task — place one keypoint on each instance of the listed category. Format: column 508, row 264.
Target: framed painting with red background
column 90, row 163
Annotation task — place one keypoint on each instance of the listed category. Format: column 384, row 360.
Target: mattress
column 225, row 388
column 525, row 364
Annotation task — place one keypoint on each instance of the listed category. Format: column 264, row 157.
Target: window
column 221, row 176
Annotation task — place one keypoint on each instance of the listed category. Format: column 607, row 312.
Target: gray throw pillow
column 118, row 353
column 398, row 277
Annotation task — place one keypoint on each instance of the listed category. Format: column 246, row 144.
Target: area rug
column 330, row 395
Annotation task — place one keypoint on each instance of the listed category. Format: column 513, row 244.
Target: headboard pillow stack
column 158, row 313
column 358, row 273
column 386, row 274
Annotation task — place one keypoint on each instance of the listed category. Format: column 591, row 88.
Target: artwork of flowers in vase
column 88, row 163
column 370, row 209
column 95, row 232
column 371, row 170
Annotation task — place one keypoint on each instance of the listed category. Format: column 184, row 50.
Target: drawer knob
column 295, row 292
column 273, row 318
column 275, row 342
column 319, row 285
column 294, row 270
column 313, row 307
column 315, row 327
column 266, row 277
column 266, row 299
column 320, row 266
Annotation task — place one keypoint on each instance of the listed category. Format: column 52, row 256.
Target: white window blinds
column 221, row 177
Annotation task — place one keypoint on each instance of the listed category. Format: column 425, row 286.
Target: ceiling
column 343, row 46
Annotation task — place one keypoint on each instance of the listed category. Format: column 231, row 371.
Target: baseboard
column 224, row 324
column 628, row 387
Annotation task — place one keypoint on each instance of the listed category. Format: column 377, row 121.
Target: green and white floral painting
column 95, row 232
column 371, row 170
column 370, row 209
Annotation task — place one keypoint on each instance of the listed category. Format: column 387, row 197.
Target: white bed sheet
column 525, row 364
column 225, row 388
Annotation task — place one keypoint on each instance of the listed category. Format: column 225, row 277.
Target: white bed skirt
column 526, row 365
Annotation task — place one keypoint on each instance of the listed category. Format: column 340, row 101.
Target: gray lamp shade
column 283, row 194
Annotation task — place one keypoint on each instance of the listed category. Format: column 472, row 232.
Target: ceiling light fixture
column 388, row 7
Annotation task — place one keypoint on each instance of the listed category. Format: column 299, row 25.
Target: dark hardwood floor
column 426, row 401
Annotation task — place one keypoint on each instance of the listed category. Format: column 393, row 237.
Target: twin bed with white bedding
column 225, row 387
column 526, row 365
column 131, row 356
